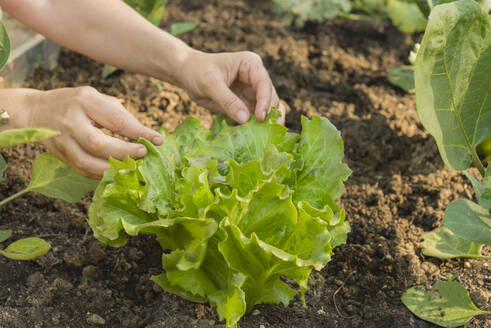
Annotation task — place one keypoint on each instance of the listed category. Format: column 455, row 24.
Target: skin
column 109, row 31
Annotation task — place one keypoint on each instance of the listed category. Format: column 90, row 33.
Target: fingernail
column 242, row 116
column 142, row 151
column 157, row 140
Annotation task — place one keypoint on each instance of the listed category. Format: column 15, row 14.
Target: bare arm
column 107, row 30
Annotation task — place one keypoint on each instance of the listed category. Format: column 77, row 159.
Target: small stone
column 135, row 254
column 256, row 312
column 261, row 326
column 95, row 319
column 96, row 253
column 62, row 285
column 91, row 272
column 467, row 265
column 480, row 298
column 35, row 280
column 73, row 258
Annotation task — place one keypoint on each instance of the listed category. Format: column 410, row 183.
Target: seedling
column 50, row 177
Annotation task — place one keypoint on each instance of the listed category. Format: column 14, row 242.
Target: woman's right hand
column 76, row 113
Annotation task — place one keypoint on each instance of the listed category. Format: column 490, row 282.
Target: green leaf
column 468, row 220
column 483, row 191
column 319, row 173
column 406, row 16
column 243, row 143
column 5, row 234
column 182, row 27
column 5, row 46
column 444, row 244
column 485, row 196
column 453, row 80
column 159, row 180
column 26, row 249
column 402, row 77
column 425, row 8
column 15, row 137
column 108, row 70
column 447, row 304
column 53, row 178
column 152, row 10
column 117, row 200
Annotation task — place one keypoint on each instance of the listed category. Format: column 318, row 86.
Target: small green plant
column 404, row 14
column 301, row 11
column 236, row 209
column 453, row 86
column 153, row 11
column 50, row 177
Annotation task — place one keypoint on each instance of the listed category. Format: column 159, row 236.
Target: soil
column 398, row 190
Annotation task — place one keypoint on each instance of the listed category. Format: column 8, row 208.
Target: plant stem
column 8, row 199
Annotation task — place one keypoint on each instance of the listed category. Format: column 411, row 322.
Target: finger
column 83, row 162
column 228, row 101
column 246, row 94
column 254, row 74
column 110, row 113
column 95, row 142
column 282, row 109
column 275, row 100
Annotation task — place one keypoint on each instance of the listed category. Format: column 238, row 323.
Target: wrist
column 174, row 56
column 18, row 104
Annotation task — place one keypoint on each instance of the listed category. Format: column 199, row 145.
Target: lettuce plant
column 244, row 213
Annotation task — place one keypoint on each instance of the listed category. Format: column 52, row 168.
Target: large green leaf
column 468, row 220
column 453, row 80
column 53, row 178
column 447, row 304
column 15, row 137
column 319, row 172
column 444, row 244
column 406, row 16
column 26, row 249
column 5, row 46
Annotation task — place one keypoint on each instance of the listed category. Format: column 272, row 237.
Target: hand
column 235, row 84
column 74, row 112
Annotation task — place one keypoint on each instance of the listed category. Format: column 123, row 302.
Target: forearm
column 107, row 30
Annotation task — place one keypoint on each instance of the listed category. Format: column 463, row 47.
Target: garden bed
column 399, row 187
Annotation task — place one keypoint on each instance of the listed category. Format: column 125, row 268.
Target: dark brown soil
column 398, row 190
